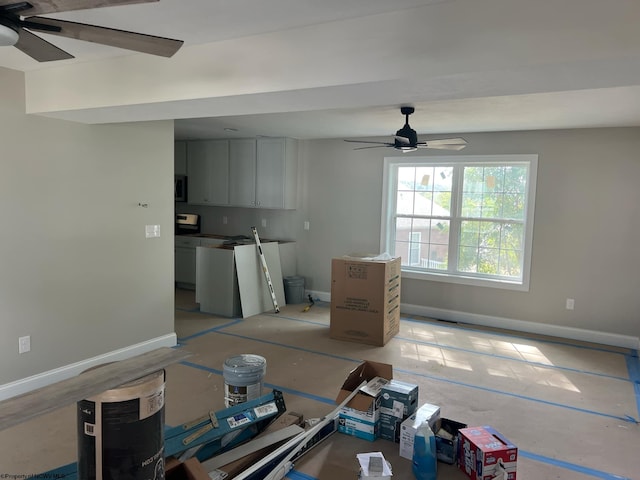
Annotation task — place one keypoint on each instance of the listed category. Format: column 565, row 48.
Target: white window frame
column 387, row 234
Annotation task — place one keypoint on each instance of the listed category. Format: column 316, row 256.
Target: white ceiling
column 466, row 65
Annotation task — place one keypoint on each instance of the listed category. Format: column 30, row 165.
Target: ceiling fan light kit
column 18, row 22
column 406, row 139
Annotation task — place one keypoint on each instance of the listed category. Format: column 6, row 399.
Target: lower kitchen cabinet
column 185, row 261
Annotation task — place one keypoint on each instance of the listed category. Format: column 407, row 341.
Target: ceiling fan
column 18, row 20
column 406, row 139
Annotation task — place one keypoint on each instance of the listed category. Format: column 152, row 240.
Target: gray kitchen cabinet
column 242, row 172
column 276, row 173
column 208, row 172
column 185, row 260
column 263, row 173
column 180, row 157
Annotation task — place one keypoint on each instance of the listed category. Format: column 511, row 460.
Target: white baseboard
column 43, row 379
column 560, row 331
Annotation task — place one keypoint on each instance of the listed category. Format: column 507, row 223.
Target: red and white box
column 485, row 454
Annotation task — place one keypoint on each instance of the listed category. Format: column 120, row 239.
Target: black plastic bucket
column 121, row 432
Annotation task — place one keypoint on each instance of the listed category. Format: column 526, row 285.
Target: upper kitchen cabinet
column 242, row 172
column 208, row 172
column 276, row 173
column 263, row 173
column 180, row 157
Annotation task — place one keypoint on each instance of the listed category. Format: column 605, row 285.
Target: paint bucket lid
column 245, row 365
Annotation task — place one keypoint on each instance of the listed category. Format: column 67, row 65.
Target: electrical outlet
column 225, row 220
column 306, row 225
column 264, row 222
column 570, row 303
column 24, row 344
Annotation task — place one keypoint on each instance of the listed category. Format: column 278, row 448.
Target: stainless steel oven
column 187, row 223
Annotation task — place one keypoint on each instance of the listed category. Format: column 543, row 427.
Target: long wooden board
column 92, row 382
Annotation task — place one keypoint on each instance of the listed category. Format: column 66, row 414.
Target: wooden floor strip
column 92, row 382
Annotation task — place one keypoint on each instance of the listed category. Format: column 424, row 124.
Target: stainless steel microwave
column 180, row 188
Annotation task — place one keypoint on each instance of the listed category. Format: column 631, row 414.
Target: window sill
column 462, row 280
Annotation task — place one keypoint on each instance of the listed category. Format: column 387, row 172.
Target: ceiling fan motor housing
column 408, row 133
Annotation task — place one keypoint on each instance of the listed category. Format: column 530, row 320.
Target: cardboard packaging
column 399, row 401
column 426, row 413
column 190, row 469
column 447, row 440
column 483, row 453
column 361, row 416
column 365, row 299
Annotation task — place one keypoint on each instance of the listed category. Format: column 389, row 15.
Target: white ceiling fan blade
column 447, row 141
column 441, row 147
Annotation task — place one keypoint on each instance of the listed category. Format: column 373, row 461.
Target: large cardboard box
column 361, row 416
column 365, row 299
column 482, row 449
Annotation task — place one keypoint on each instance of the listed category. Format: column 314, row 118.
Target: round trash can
column 294, row 289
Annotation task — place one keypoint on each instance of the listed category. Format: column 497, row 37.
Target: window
column 463, row 219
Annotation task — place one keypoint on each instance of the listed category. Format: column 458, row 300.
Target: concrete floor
column 570, row 407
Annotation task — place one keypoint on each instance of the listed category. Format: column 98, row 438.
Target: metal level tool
column 265, row 269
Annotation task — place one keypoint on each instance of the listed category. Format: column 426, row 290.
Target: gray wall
column 586, row 233
column 77, row 273
column 586, row 242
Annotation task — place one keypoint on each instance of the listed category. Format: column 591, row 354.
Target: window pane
column 488, row 261
column 469, row 234
column 489, row 235
column 468, row 259
column 511, row 263
column 512, row 236
column 405, row 202
column 514, row 206
column 406, row 178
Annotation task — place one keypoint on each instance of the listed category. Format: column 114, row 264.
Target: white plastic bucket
column 121, row 432
column 243, row 378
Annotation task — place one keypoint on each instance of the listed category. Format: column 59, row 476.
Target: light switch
column 152, row 231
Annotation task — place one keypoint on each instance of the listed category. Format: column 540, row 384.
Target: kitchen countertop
column 230, row 241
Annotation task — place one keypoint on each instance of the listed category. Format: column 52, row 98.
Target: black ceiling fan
column 18, row 20
column 406, row 139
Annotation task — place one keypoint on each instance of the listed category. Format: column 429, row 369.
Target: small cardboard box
column 399, row 401
column 361, row 416
column 365, row 299
column 480, row 451
column 426, row 413
column 447, row 440
column 190, row 469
